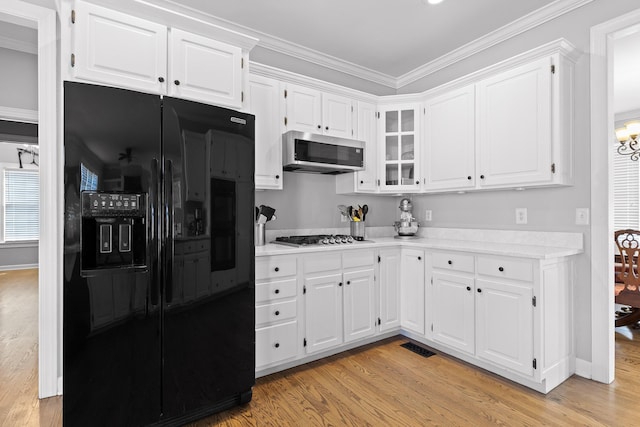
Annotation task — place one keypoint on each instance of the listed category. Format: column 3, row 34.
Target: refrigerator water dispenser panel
column 114, row 232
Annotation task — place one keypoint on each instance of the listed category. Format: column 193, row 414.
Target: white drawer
column 453, row 261
column 357, row 258
column 276, row 312
column 274, row 267
column 275, row 290
column 276, row 343
column 323, row 261
column 506, row 268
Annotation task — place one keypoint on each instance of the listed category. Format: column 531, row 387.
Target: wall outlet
column 427, row 215
column 582, row 216
column 521, row 215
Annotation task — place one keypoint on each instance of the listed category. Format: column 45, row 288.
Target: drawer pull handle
column 500, row 268
column 276, row 269
column 276, row 345
column 479, row 290
column 449, row 262
column 277, row 291
column 277, row 313
column 468, row 288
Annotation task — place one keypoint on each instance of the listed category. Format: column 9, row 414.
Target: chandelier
column 629, row 141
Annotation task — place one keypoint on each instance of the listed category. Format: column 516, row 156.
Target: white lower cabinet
column 276, row 310
column 453, row 313
column 505, row 313
column 389, row 289
column 412, row 290
column 338, row 298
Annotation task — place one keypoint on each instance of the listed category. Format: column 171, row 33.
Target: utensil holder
column 258, row 235
column 357, row 230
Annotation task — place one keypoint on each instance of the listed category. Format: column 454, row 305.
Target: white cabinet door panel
column 337, row 116
column 304, row 111
column 453, row 311
column 359, row 317
column 204, row 70
column 389, row 289
column 412, row 290
column 119, row 49
column 514, row 126
column 323, row 312
column 504, row 319
column 449, row 158
column 366, row 131
column 264, row 103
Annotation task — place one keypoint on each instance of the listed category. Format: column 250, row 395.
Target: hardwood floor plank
column 378, row 384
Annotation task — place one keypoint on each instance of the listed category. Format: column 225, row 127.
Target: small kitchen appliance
column 407, row 227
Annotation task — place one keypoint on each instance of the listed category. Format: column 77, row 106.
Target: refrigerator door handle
column 153, row 243
column 169, row 227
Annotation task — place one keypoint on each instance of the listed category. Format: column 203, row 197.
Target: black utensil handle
column 168, row 230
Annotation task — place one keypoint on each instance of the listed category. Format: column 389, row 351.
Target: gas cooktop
column 316, row 239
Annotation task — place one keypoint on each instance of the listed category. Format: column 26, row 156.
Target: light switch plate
column 521, row 215
column 427, row 215
column 582, row 216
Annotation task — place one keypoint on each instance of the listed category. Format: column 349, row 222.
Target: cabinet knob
column 277, row 269
column 479, row 290
column 161, row 79
column 277, row 176
column 469, row 177
column 277, row 291
column 176, row 82
column 500, row 268
column 340, row 284
column 419, row 258
column 468, row 288
column 449, row 262
column 481, row 176
column 276, row 345
column 417, row 182
column 319, row 127
column 326, row 127
column 348, row 282
column 277, row 313
column 361, row 182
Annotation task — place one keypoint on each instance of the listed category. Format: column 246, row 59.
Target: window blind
column 21, row 205
column 626, row 192
column 88, row 179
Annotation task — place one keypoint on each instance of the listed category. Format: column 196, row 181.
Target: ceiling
column 388, row 38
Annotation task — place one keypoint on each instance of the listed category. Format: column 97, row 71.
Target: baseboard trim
column 17, row 267
column 583, row 368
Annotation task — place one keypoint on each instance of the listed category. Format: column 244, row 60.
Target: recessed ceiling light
column 434, row 1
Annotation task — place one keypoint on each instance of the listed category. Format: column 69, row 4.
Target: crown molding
column 520, row 25
column 266, row 41
column 19, row 45
column 18, row 114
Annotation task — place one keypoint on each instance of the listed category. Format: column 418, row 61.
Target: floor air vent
column 417, row 349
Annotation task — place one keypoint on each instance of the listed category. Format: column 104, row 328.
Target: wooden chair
column 627, row 277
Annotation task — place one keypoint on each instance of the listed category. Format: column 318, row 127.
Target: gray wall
column 18, row 79
column 310, row 201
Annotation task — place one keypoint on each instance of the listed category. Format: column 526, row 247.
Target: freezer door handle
column 168, row 230
column 153, row 244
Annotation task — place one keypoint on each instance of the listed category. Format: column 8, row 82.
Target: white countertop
column 481, row 247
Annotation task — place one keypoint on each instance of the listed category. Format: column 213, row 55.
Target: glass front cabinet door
column 399, row 146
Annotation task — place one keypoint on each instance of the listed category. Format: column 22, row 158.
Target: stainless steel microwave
column 307, row 152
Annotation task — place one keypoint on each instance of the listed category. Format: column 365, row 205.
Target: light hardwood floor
column 381, row 384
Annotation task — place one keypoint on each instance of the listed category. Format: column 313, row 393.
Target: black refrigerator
column 158, row 316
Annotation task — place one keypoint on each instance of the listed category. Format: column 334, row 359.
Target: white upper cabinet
column 264, row 103
column 119, row 49
column 337, row 116
column 515, row 126
column 366, row 180
column 309, row 110
column 203, row 69
column 449, row 148
column 399, row 138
